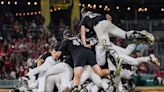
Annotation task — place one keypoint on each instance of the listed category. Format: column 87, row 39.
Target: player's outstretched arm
column 83, row 37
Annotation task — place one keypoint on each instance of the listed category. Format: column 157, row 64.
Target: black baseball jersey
column 81, row 56
column 69, row 60
column 91, row 19
column 90, row 33
column 70, row 45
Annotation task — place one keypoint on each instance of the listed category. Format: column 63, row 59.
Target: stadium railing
column 9, row 83
column 150, row 25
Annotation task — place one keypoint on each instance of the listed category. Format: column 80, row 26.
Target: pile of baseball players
column 86, row 65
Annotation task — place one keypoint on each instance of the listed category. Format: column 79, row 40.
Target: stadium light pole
column 75, row 12
column 135, row 13
column 45, row 11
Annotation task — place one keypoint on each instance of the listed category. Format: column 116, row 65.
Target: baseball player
column 59, row 75
column 81, row 56
column 48, row 59
column 88, row 73
column 103, row 27
column 61, row 79
column 124, row 54
column 29, row 81
column 63, row 70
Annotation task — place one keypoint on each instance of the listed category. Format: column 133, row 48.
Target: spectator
column 61, row 25
column 2, row 51
column 31, row 60
column 17, row 71
column 13, row 73
column 52, row 39
column 16, row 26
column 160, row 77
column 33, row 24
column 21, row 71
column 2, row 76
column 76, row 25
column 143, row 48
column 7, row 64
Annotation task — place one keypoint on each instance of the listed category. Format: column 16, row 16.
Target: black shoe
column 29, row 90
column 14, row 90
column 24, row 81
column 25, row 78
column 84, row 89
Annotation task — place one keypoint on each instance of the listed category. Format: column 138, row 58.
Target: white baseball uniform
column 63, row 70
column 49, row 61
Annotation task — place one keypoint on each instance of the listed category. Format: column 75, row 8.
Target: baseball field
column 138, row 89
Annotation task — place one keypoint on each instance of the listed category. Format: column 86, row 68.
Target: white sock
column 95, row 89
column 104, row 85
column 89, row 87
column 70, row 85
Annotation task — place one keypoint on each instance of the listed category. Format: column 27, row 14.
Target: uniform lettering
column 77, row 42
column 92, row 15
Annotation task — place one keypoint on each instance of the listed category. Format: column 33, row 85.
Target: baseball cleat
column 149, row 36
column 154, row 59
column 25, row 78
column 84, row 90
column 23, row 89
column 24, row 82
column 75, row 90
column 116, row 80
column 14, row 90
column 110, row 88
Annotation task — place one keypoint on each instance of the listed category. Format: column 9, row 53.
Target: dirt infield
column 149, row 89
column 4, row 90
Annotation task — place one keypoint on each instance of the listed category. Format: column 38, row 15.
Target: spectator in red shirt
column 21, row 71
column 160, row 77
column 2, row 51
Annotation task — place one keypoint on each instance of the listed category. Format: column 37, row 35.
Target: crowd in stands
column 22, row 41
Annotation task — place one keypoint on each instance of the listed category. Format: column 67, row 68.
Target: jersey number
column 77, row 42
column 92, row 15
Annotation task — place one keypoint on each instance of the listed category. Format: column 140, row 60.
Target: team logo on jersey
column 92, row 15
column 76, row 41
